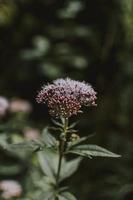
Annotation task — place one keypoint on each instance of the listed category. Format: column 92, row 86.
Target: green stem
column 60, row 161
column 61, row 148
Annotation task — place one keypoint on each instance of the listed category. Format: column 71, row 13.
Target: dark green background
column 41, row 40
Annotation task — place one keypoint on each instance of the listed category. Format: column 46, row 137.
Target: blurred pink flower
column 4, row 105
column 31, row 133
column 10, row 188
column 20, row 105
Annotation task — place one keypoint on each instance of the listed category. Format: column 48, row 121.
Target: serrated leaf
column 48, row 160
column 48, row 139
column 69, row 167
column 66, row 196
column 92, row 150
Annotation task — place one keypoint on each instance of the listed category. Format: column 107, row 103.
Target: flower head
column 65, row 97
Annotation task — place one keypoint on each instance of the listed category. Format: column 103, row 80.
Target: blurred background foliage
column 86, row 40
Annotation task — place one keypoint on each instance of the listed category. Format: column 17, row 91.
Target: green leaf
column 57, row 123
column 48, row 139
column 48, row 195
column 48, row 160
column 45, row 184
column 45, row 187
column 92, row 150
column 10, row 170
column 31, row 145
column 72, row 125
column 69, row 167
column 66, row 196
column 3, row 140
column 77, row 142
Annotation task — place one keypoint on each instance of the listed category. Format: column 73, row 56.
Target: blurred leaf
column 30, row 54
column 7, row 12
column 46, row 183
column 10, row 170
column 48, row 139
column 31, row 145
column 127, row 19
column 41, row 44
column 41, row 47
column 69, row 167
column 51, row 69
column 3, row 140
column 48, row 161
column 66, row 196
column 79, row 62
column 71, row 9
column 92, row 150
column 48, row 195
column 47, row 188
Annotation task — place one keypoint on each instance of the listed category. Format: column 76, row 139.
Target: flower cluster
column 65, row 97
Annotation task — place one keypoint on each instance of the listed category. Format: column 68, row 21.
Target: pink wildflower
column 31, row 133
column 4, row 105
column 20, row 105
column 65, row 97
column 10, row 189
